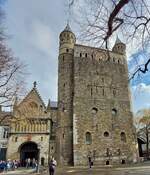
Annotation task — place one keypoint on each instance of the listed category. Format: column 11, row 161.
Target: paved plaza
column 141, row 169
column 138, row 170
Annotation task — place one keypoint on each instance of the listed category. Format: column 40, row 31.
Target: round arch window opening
column 106, row 134
column 94, row 110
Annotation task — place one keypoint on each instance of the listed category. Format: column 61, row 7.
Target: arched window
column 114, row 92
column 63, row 58
column 42, row 161
column 106, row 134
column 114, row 111
column 41, row 138
column 107, row 162
column 80, row 54
column 94, row 110
column 91, row 91
column 107, row 152
column 123, row 161
column 123, row 137
column 103, row 92
column 119, row 152
column 88, row 138
column 86, row 55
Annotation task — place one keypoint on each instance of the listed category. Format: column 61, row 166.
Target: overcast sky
column 34, row 27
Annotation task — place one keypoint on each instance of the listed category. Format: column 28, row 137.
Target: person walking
column 52, row 166
column 90, row 161
column 28, row 163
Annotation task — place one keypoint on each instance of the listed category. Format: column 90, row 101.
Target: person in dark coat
column 90, row 161
column 52, row 166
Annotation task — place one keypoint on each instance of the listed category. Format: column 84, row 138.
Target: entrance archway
column 28, row 150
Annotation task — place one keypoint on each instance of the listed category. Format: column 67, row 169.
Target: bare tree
column 11, row 71
column 10, row 76
column 144, row 129
column 100, row 20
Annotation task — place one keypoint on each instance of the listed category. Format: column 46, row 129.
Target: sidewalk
column 20, row 171
column 84, row 170
column 79, row 170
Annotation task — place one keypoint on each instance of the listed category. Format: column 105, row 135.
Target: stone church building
column 93, row 114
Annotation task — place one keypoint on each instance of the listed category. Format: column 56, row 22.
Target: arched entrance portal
column 28, row 150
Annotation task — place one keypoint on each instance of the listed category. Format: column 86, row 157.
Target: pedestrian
column 15, row 164
column 33, row 163
column 1, row 166
column 52, row 166
column 90, row 161
column 36, row 166
column 28, row 163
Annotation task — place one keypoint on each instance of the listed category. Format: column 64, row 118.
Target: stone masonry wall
column 101, row 105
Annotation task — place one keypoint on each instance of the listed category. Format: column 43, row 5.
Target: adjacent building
column 4, row 132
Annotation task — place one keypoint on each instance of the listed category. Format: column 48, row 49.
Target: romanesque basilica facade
column 93, row 114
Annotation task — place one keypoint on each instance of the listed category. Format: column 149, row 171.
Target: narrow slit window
column 103, row 92
column 91, row 91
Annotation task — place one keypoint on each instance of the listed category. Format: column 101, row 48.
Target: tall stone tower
column 65, row 97
column 94, row 111
column 102, row 117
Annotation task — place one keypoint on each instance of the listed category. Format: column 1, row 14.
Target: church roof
column 35, row 92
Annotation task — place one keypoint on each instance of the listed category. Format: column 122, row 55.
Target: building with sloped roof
column 31, row 132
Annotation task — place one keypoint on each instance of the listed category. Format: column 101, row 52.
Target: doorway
column 28, row 150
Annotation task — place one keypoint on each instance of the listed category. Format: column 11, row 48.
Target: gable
column 32, row 105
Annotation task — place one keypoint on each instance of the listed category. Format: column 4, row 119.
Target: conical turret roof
column 68, row 28
column 118, row 41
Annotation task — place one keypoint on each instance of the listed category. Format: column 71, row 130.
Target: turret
column 119, row 47
column 65, row 96
column 67, row 40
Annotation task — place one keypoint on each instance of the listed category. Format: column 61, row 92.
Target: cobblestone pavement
column 144, row 170
column 136, row 170
column 19, row 172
